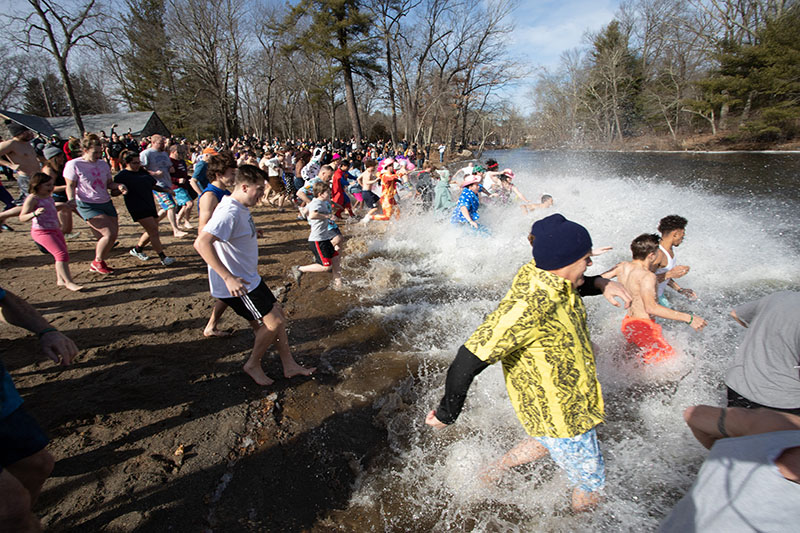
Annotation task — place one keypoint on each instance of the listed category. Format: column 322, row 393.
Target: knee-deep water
column 429, row 284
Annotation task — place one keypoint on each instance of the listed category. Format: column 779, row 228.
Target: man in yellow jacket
column 539, row 333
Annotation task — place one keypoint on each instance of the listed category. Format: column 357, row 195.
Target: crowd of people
column 538, row 331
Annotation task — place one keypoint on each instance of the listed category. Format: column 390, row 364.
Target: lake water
column 429, row 284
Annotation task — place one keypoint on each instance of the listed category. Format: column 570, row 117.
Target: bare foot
column 179, row 233
column 187, row 225
column 60, row 283
column 297, row 370
column 490, row 475
column 214, row 332
column 337, row 284
column 434, row 422
column 585, row 501
column 257, row 374
column 73, row 286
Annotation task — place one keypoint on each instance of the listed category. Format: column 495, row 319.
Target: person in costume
column 539, row 333
column 466, row 210
column 442, row 201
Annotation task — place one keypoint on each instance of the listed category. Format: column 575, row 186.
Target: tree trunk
column 46, row 99
column 746, row 110
column 73, row 103
column 392, row 102
column 350, row 98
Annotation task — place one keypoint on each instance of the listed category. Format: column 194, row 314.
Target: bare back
column 20, row 156
column 640, row 283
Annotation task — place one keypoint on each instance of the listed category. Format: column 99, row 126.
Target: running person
column 88, row 184
column 40, row 208
column 667, row 269
column 222, row 170
column 539, row 333
column 229, row 245
column 139, row 185
column 638, row 326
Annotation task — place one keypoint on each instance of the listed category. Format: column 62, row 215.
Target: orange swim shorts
column 646, row 334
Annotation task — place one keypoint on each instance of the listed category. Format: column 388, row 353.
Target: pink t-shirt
column 48, row 219
column 92, row 179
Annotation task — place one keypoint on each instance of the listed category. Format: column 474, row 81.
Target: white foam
column 433, row 283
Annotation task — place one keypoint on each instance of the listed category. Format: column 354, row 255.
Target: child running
column 40, row 208
column 324, row 239
column 228, row 244
column 139, row 187
column 638, row 326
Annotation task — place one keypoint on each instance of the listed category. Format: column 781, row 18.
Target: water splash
column 430, row 284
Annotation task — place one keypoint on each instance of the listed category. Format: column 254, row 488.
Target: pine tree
column 339, row 30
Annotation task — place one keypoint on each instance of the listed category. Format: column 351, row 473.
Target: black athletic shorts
column 323, row 252
column 137, row 216
column 20, row 437
column 370, row 198
column 255, row 304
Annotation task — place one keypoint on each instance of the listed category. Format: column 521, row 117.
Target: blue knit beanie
column 559, row 242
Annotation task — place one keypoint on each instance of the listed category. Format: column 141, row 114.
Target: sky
column 544, row 29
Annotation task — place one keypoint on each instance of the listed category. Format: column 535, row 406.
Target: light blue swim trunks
column 662, row 301
column 580, row 457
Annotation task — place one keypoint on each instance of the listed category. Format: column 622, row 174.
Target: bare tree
column 57, row 28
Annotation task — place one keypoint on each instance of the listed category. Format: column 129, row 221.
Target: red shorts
column 646, row 334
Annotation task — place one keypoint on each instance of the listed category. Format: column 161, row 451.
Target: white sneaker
column 139, row 255
column 167, row 261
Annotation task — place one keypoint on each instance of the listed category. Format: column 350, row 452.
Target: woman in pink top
column 88, row 184
column 40, row 208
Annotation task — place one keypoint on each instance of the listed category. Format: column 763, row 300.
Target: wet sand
column 156, row 428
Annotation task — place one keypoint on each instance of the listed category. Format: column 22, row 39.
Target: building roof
column 32, row 122
column 139, row 123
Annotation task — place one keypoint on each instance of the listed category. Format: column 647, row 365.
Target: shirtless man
column 638, row 278
column 667, row 269
column 18, row 154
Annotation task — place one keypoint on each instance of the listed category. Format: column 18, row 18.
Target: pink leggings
column 53, row 241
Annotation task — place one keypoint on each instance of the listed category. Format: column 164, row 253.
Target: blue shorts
column 580, row 457
column 20, row 437
column 662, row 301
column 165, row 200
column 182, row 197
column 88, row 211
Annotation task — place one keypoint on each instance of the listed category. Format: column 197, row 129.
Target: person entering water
column 539, row 333
column 638, row 325
column 673, row 231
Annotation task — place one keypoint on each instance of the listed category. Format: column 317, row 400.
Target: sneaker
column 167, row 261
column 100, row 267
column 139, row 255
column 6, row 227
column 297, row 273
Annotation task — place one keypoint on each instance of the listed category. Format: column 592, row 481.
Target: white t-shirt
column 237, row 246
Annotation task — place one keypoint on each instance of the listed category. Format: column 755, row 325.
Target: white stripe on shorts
column 248, row 303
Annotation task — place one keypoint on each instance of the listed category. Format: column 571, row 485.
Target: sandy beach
column 156, row 428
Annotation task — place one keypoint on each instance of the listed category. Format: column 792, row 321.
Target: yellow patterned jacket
column 539, row 333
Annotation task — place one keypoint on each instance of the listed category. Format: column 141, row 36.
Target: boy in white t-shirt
column 228, row 243
column 324, row 239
